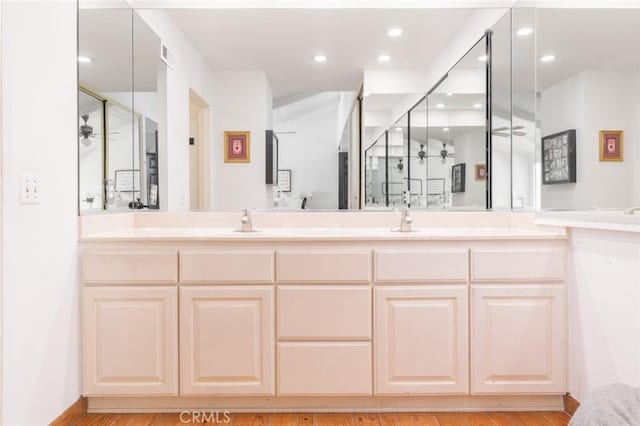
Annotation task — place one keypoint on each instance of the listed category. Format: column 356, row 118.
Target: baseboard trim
column 76, row 409
column 570, row 404
column 326, row 404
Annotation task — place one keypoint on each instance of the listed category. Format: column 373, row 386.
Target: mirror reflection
column 528, row 118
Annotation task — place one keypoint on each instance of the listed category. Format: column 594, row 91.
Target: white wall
column 589, row 102
column 41, row 318
column 242, row 102
column 188, row 71
column 604, row 310
column 470, row 150
column 311, row 153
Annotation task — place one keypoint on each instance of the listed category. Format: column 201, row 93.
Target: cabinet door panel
column 227, row 340
column 314, row 312
column 324, row 368
column 130, row 341
column 518, row 339
column 421, row 340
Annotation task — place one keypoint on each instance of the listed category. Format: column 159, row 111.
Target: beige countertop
column 321, row 234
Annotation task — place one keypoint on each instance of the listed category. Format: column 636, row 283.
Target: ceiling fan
column 444, row 154
column 86, row 131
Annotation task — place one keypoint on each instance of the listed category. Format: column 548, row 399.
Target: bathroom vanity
column 181, row 312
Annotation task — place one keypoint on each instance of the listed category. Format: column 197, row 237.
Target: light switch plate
column 29, row 189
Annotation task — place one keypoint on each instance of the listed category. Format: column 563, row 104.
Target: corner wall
column 41, row 291
column 589, row 102
column 242, row 102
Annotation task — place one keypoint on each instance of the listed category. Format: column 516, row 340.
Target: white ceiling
column 105, row 36
column 581, row 39
column 282, row 42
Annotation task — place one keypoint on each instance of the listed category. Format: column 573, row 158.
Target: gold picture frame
column 237, row 147
column 611, row 145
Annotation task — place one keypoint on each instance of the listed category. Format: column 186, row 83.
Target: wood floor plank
column 366, row 419
column 305, row 419
column 532, row 419
column 167, row 419
column 556, row 418
column 283, row 419
column 249, row 419
column 451, row 419
column 344, row 419
column 480, row 419
column 388, row 419
column 506, row 419
column 422, row 419
column 333, row 419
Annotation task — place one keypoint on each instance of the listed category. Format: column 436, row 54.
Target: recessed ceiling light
column 477, row 105
column 440, row 106
column 525, row 31
column 449, row 94
column 84, row 59
column 398, row 129
column 547, row 58
column 446, row 129
column 482, row 58
column 384, row 58
column 320, row 58
column 394, row 32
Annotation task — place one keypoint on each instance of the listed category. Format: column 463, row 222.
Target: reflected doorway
column 198, row 148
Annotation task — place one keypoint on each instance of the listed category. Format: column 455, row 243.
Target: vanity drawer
column 320, row 266
column 225, row 266
column 130, row 267
column 327, row 368
column 324, row 312
column 421, row 265
column 534, row 264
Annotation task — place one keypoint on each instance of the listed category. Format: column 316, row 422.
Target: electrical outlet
column 29, row 189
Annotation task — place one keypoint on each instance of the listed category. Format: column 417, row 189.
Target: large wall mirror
column 538, row 114
column 119, row 108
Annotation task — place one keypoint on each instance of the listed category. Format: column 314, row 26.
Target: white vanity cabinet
column 288, row 324
column 422, row 339
column 518, row 342
column 324, row 322
column 130, row 322
column 227, row 340
column 518, row 320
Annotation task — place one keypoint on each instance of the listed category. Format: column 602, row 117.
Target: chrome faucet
column 405, row 222
column 246, row 222
column 632, row 210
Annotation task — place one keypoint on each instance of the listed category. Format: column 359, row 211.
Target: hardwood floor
column 346, row 419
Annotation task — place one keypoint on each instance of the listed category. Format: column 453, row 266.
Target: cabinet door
column 227, row 340
column 130, row 341
column 518, row 339
column 421, row 340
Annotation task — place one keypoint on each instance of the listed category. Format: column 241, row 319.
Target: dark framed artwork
column 458, row 177
column 559, row 158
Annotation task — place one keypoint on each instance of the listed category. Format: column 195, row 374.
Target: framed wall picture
column 611, row 145
column 284, row 180
column 480, row 172
column 458, row 177
column 237, row 147
column 559, row 158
